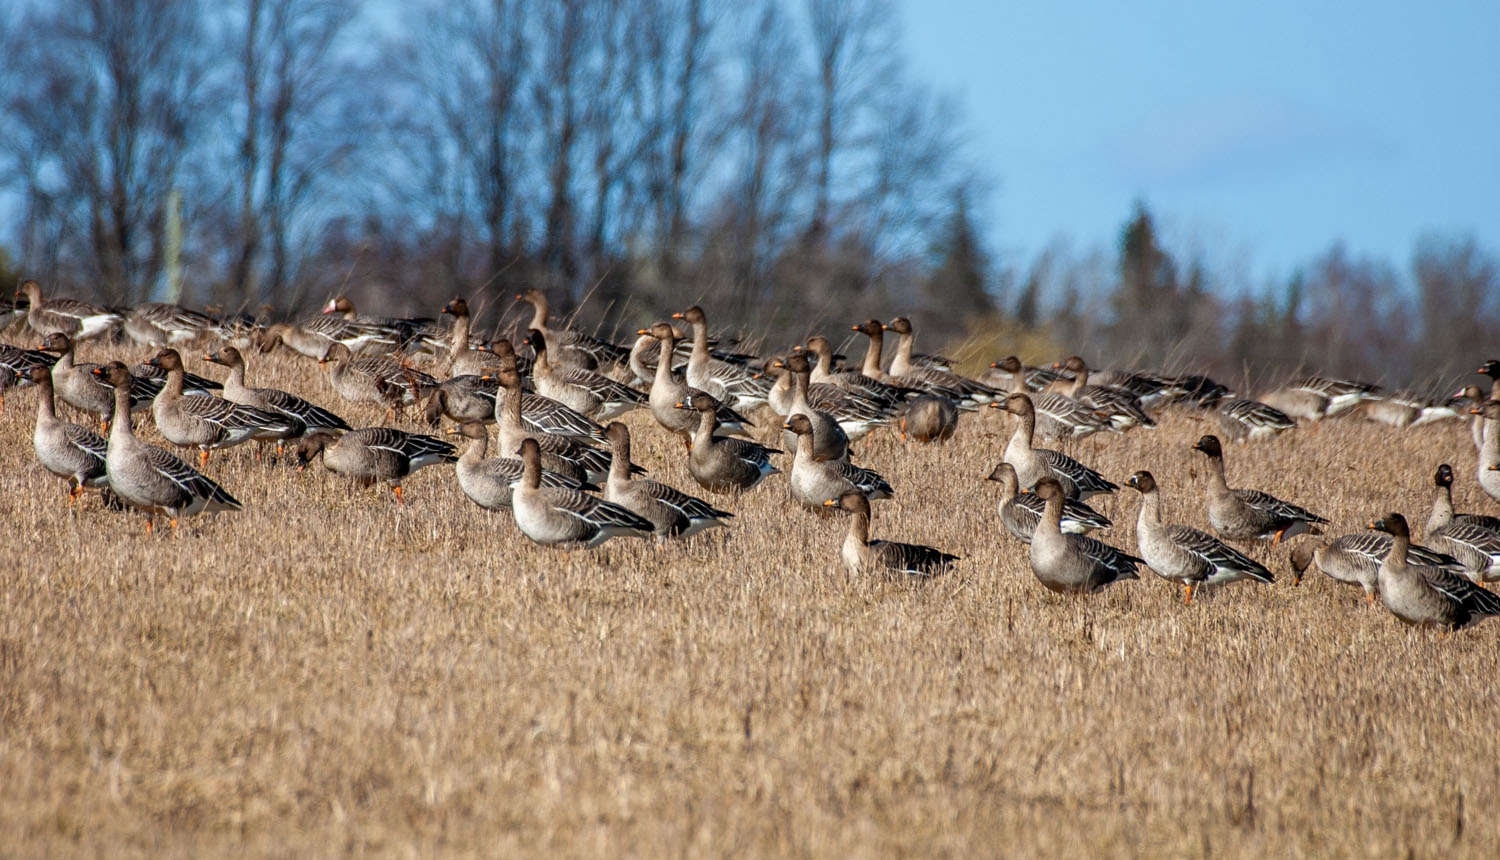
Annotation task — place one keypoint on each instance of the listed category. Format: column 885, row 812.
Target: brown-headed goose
column 909, row 374
column 404, row 334
column 815, row 481
column 207, row 423
column 670, row 511
column 1489, row 450
column 1239, row 514
column 1121, row 408
column 1442, row 505
column 862, row 556
column 375, row 454
column 314, row 418
column 571, row 347
column 929, row 418
column 720, row 463
column 67, row 450
column 1243, row 420
column 1071, row 563
column 556, row 516
column 148, row 478
column 163, row 324
column 488, row 481
column 375, row 379
column 1020, row 512
column 1427, row 596
column 855, row 382
column 1034, row 464
column 729, row 382
column 1183, row 554
column 829, row 441
column 1354, row 559
column 567, row 455
column 667, row 390
column 78, row 320
column 586, row 391
column 463, row 359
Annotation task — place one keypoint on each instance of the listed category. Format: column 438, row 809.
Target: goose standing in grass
column 862, row 556
column 857, row 416
column 1119, row 407
column 1250, row 514
column 1034, row 464
column 556, row 516
column 488, row 481
column 1442, row 505
column 313, row 418
column 815, row 480
column 1058, row 416
column 206, row 422
column 1489, row 451
column 567, row 455
column 77, row 385
column 571, row 348
column 462, row 398
column 667, row 390
column 1071, row 563
column 590, row 393
column 1354, row 559
column 1020, row 512
column 721, row 463
column 1427, row 596
column 854, row 382
column 1183, row 554
column 148, row 478
column 463, row 360
column 375, row 454
column 829, row 441
column 78, row 320
column 1243, row 420
column 729, row 382
column 403, row 334
column 671, row 512
column 908, row 373
column 67, row 450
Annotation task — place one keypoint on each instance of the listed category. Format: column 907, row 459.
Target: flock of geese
column 562, row 465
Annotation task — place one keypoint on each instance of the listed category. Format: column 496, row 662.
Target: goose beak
column 678, row 316
column 679, row 405
column 786, row 425
column 831, row 503
column 642, row 331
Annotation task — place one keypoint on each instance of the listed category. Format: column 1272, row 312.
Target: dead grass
column 327, row 673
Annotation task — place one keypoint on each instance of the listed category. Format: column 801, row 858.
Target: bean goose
column 1122, row 409
column 855, row 382
column 928, row 418
column 488, row 481
column 77, row 385
column 572, row 347
column 856, row 416
column 148, row 478
column 568, row 455
column 670, row 511
column 1442, row 505
column 556, row 516
column 78, row 320
column 1342, row 394
column 1250, row 420
column 1250, row 514
column 163, row 324
column 16, row 364
column 907, row 373
column 375, row 454
column 67, row 450
column 1427, row 596
column 1058, row 416
column 720, row 463
column 1020, row 512
column 1071, row 563
column 1489, row 451
column 667, row 391
column 403, row 334
column 1034, row 464
column 375, row 379
column 829, row 441
column 463, row 360
column 815, row 481
column 590, row 393
column 206, row 422
column 1183, row 554
column 1354, row 559
column 862, row 556
column 1011, row 376
column 313, row 418
column 731, row 383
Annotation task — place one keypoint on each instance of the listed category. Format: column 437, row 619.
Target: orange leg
column 73, row 493
column 150, row 526
column 1187, row 593
column 1276, row 540
column 173, row 523
column 1370, row 598
column 397, row 491
column 202, row 458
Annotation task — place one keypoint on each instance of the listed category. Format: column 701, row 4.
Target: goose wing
column 1217, row 554
column 911, row 559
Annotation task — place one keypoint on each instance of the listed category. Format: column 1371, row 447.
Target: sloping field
column 330, row 673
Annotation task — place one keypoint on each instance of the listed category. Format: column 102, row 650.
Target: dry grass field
column 328, row 673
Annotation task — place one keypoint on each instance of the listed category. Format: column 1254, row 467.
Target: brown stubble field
column 328, row 673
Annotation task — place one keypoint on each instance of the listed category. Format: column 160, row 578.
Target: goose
column 1250, row 514
column 1120, row 408
column 375, row 454
column 1299, row 404
column 856, row 416
column 313, row 418
column 148, row 478
column 405, row 334
column 1058, row 416
column 1427, row 596
column 1250, row 420
column 1020, row 512
column 16, row 364
column 68, row 451
column 1072, row 563
column 1442, row 505
column 241, row 331
column 1010, row 375
column 568, row 455
column 1406, row 409
column 667, row 391
column 572, row 348
column 720, row 463
column 163, row 324
column 590, row 393
column 1491, row 369
column 907, row 373
column 77, row 385
column 855, row 382
column 729, row 382
column 557, row 516
column 829, row 441
column 1489, row 451
column 1342, row 394
column 1476, row 547
column 1354, row 559
column 1184, row 554
column 862, row 556
column 312, row 338
column 1033, row 464
column 375, row 379
column 488, row 481
column 207, row 422
column 78, row 320
column 463, row 398
column 929, row 418
column 671, row 512
column 815, row 480
column 463, row 360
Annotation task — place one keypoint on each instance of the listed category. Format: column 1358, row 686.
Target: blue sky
column 1258, row 133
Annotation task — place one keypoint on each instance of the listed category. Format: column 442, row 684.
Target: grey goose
column 671, row 512
column 863, row 556
column 564, row 518
column 1239, row 514
column 488, row 481
column 1071, row 563
column 373, row 454
column 78, row 320
column 1427, row 596
column 1183, row 554
column 1021, row 511
column 67, row 450
column 815, row 480
column 1034, row 464
column 723, row 464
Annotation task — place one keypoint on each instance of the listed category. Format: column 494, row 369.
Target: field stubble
column 328, row 672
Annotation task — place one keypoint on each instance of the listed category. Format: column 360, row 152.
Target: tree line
column 775, row 158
